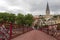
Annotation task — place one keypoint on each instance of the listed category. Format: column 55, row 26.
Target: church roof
column 47, row 8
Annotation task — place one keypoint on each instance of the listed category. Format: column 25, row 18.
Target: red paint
column 10, row 31
column 0, row 39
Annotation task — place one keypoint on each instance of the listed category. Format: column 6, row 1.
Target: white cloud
column 34, row 7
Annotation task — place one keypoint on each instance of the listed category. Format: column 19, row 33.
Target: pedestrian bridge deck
column 34, row 35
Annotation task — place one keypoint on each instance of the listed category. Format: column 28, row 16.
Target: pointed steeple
column 47, row 9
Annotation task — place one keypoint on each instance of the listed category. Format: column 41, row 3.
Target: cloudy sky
column 34, row 7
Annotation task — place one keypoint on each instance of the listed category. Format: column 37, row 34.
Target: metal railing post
column 10, row 31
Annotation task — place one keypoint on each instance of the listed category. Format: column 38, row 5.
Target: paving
column 34, row 35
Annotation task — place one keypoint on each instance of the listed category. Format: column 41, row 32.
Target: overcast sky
column 35, row 7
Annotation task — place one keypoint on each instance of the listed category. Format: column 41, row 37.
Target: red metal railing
column 10, row 30
column 9, row 34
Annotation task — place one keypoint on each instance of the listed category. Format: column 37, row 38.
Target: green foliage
column 11, row 18
column 20, row 19
column 24, row 20
column 55, row 17
column 28, row 19
column 4, row 17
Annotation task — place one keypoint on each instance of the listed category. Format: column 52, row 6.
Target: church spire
column 47, row 9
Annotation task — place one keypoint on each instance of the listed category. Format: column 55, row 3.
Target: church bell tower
column 47, row 9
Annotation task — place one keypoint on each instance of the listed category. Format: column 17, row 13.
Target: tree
column 20, row 19
column 11, row 18
column 3, row 16
column 1, row 19
column 28, row 20
column 55, row 17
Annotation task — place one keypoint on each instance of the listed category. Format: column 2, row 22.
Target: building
column 47, row 19
column 47, row 16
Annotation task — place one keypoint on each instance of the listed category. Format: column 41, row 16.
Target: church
column 47, row 16
column 47, row 19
